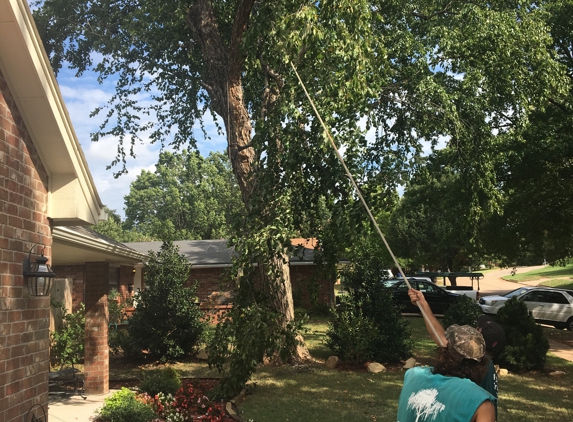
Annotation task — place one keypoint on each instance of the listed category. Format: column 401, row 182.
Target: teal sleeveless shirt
column 428, row 397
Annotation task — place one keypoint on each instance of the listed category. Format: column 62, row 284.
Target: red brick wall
column 126, row 277
column 301, row 277
column 210, row 280
column 24, row 321
column 216, row 279
column 96, row 361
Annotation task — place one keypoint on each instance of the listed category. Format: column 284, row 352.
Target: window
column 556, row 297
column 533, row 297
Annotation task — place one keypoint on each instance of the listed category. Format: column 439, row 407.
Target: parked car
column 492, row 304
column 550, row 306
column 437, row 297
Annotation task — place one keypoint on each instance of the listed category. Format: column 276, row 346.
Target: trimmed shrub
column 465, row 311
column 164, row 381
column 526, row 346
column 166, row 322
column 124, row 407
column 367, row 324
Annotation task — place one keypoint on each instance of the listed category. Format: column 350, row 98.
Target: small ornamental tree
column 166, row 322
column 526, row 346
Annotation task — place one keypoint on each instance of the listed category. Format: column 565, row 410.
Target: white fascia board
column 32, row 83
column 65, row 235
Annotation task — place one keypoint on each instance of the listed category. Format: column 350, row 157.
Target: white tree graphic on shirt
column 425, row 405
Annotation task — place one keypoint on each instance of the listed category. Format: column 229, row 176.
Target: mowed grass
column 313, row 393
column 561, row 277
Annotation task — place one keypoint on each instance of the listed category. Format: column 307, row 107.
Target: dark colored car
column 437, row 297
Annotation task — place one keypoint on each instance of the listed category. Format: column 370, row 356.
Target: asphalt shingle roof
column 208, row 252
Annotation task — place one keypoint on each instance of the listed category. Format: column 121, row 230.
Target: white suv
column 492, row 304
column 550, row 306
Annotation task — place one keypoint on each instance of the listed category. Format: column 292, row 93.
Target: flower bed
column 189, row 403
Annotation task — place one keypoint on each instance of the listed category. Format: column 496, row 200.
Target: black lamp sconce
column 38, row 275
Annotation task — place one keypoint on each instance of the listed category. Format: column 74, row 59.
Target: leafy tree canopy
column 115, row 229
column 187, row 197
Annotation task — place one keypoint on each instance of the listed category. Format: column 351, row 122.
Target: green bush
column 465, row 311
column 166, row 322
column 164, row 381
column 526, row 346
column 124, row 407
column 67, row 344
column 367, row 325
column 120, row 342
column 351, row 335
column 117, row 310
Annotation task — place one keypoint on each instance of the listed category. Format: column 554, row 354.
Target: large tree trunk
column 222, row 80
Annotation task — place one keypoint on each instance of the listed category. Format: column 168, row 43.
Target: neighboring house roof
column 77, row 244
column 73, row 198
column 212, row 253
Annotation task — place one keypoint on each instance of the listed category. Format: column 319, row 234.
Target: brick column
column 96, row 362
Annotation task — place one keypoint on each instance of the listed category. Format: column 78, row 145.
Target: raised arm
column 438, row 332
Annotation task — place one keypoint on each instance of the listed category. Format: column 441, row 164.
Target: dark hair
column 451, row 363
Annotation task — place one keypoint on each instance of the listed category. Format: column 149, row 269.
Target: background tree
column 115, row 229
column 535, row 170
column 187, row 197
column 432, row 224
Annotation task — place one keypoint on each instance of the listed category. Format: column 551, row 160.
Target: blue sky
column 82, row 95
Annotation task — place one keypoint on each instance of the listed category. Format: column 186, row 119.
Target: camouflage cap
column 466, row 340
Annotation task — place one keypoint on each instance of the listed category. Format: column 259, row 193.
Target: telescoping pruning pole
column 364, row 202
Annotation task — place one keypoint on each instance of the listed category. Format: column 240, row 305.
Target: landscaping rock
column 557, row 373
column 376, row 367
column 503, row 372
column 410, row 363
column 331, row 362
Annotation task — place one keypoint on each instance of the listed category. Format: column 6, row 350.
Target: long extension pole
column 363, row 201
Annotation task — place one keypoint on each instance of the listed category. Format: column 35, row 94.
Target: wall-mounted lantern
column 38, row 275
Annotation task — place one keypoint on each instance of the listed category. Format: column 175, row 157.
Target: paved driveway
column 492, row 284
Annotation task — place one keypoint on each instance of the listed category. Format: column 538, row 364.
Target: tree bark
column 222, row 81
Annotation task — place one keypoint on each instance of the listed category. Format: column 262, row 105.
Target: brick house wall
column 303, row 281
column 210, row 280
column 126, row 278
column 76, row 273
column 24, row 320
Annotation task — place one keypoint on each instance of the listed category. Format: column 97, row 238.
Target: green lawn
column 313, row 393
column 560, row 276
column 316, row 394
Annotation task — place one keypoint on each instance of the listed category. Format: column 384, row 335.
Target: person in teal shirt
column 449, row 391
column 492, row 333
